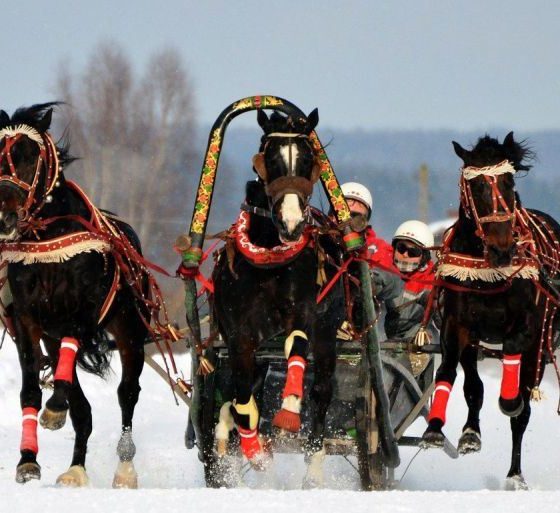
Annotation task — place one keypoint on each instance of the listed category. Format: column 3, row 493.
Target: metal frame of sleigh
column 376, row 396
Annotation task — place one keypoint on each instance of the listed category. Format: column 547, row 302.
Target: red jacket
column 379, row 252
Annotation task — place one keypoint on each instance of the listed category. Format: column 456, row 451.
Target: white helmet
column 359, row 192
column 415, row 231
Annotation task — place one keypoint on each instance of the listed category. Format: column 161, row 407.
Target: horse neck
column 262, row 231
column 65, row 202
column 465, row 239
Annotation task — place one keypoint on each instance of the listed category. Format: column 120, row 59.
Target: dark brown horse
column 497, row 262
column 62, row 272
column 273, row 291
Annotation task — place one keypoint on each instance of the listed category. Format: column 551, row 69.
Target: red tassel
column 294, row 378
column 511, row 365
column 439, row 403
column 250, row 445
column 66, row 359
column 29, row 430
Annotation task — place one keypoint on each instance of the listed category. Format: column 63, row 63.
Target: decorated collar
column 266, row 257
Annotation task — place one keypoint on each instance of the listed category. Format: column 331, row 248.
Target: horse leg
column 27, row 343
column 511, row 397
column 515, row 479
column 63, row 362
column 473, row 389
column 244, row 407
column 454, row 337
column 130, row 334
column 80, row 415
column 296, row 348
column 321, row 394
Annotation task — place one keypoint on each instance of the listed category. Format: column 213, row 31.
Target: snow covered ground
column 171, row 477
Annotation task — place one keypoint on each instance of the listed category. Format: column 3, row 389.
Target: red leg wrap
column 66, row 359
column 439, row 403
column 294, row 378
column 510, row 376
column 250, row 445
column 29, row 430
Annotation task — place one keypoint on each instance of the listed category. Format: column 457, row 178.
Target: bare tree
column 135, row 139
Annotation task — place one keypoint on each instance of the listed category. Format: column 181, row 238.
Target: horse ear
column 259, row 165
column 508, row 140
column 4, row 118
column 45, row 122
column 263, row 120
column 312, row 120
column 460, row 151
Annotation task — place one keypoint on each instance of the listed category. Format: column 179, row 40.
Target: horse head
column 488, row 193
column 29, row 167
column 286, row 163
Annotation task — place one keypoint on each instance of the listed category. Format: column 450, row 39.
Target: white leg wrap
column 292, row 403
column 290, row 341
column 225, row 424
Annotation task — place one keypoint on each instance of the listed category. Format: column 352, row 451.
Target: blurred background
column 395, row 83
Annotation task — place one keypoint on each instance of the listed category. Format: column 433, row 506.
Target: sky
column 366, row 64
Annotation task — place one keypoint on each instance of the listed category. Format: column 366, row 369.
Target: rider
column 360, row 202
column 412, row 258
column 402, row 272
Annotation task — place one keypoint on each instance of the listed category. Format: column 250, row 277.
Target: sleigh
column 376, row 395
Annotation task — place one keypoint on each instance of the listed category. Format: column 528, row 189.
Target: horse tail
column 95, row 355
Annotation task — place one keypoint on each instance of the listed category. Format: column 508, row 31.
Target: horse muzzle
column 500, row 257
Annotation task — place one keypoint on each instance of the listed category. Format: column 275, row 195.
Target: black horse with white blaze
column 266, row 285
column 68, row 288
column 498, row 262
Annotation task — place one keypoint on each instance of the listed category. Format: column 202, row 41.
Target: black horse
column 61, row 289
column 266, row 286
column 497, row 262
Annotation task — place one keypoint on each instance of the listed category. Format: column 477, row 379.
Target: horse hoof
column 314, row 477
column 514, row 483
column 28, row 471
column 53, row 420
column 287, row 420
column 512, row 407
column 74, row 477
column 311, row 483
column 432, row 440
column 125, row 476
column 261, row 461
column 470, row 442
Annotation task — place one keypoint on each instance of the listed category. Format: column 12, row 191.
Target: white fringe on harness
column 502, row 168
column 25, row 130
column 491, row 274
column 53, row 251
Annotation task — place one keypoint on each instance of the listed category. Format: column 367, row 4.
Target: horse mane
column 38, row 116
column 488, row 150
column 279, row 122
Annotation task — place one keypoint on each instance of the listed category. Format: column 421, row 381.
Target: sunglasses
column 413, row 251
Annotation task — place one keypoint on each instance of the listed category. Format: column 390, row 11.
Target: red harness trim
column 265, row 257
